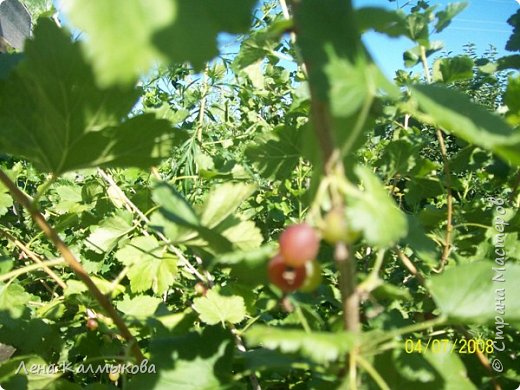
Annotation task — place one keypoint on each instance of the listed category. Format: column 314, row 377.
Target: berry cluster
column 295, row 267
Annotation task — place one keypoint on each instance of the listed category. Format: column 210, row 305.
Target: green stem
column 30, row 268
column 43, row 189
column 409, row 329
column 360, row 122
column 373, row 373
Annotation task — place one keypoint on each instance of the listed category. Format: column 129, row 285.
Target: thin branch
column 449, row 200
column 29, row 268
column 411, row 267
column 74, row 264
column 447, row 173
column 34, row 257
column 202, row 109
column 242, row 348
column 373, row 373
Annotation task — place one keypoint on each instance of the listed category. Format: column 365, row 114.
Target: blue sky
column 483, row 22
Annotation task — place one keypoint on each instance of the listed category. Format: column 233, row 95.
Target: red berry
column 92, row 324
column 283, row 276
column 299, row 244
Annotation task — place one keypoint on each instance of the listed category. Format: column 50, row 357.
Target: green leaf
column 249, row 267
column 468, row 293
column 105, row 236
column 8, row 62
column 448, row 70
column 141, row 306
column 192, row 35
column 149, row 265
column 427, row 370
column 120, row 34
column 82, row 122
column 513, row 44
column 445, row 16
column 174, row 206
column 223, row 201
column 13, row 299
column 244, row 235
column 391, row 23
column 215, row 308
column 455, row 113
column 276, row 154
column 350, row 86
column 451, row 368
column 5, row 202
column 413, row 56
column 260, row 44
column 190, row 362
column 319, row 346
column 374, row 212
column 105, row 286
column 175, row 210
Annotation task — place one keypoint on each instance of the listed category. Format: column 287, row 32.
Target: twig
column 73, row 263
column 484, row 361
column 242, row 348
column 373, row 373
column 202, row 109
column 410, row 266
column 34, row 257
column 449, row 200
column 29, row 268
column 447, row 173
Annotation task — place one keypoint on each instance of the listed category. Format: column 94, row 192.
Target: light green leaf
column 5, row 202
column 455, row 113
column 105, row 236
column 374, row 212
column 150, row 266
column 223, row 201
column 105, row 286
column 451, row 368
column 319, row 346
column 141, row 306
column 215, row 308
column 13, row 299
column 244, row 235
column 350, row 87
column 276, row 154
column 119, row 34
column 413, row 56
column 176, row 213
column 468, row 293
column 448, row 70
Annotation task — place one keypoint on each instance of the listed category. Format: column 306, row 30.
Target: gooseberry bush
column 231, row 194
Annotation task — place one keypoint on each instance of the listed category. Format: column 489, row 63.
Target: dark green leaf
column 453, row 111
column 53, row 114
column 445, row 16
